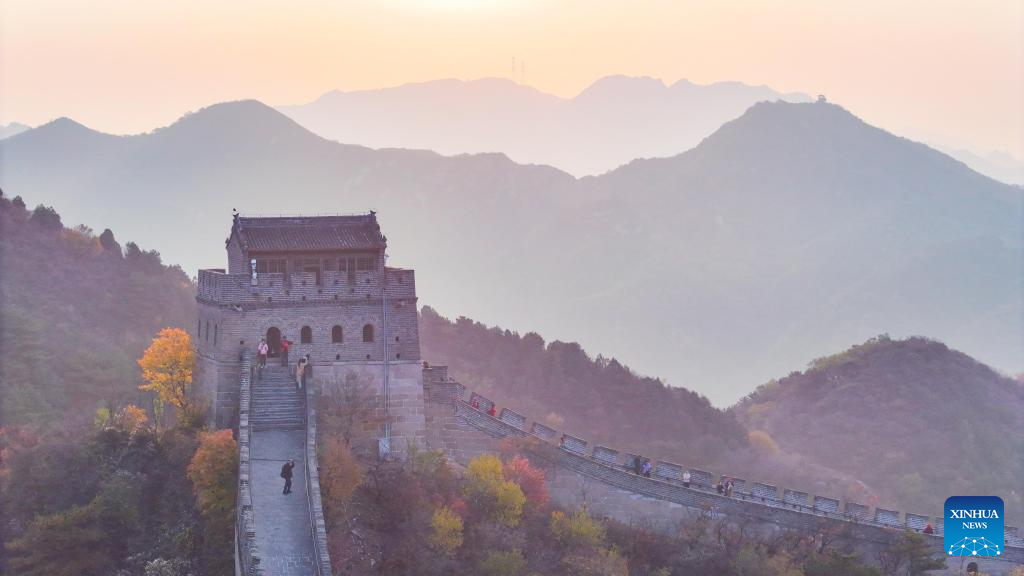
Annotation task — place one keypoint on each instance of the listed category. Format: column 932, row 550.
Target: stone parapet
column 247, row 552
column 316, row 507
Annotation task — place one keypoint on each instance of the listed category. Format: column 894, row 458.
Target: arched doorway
column 274, row 341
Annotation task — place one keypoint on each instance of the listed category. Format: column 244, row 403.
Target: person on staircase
column 300, row 372
column 286, row 473
column 305, row 371
column 284, row 350
column 263, row 349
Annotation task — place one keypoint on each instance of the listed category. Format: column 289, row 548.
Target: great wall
column 324, row 278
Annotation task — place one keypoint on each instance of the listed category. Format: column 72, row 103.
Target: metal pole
column 384, row 333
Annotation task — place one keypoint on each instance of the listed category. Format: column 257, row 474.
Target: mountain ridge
column 684, row 251
column 611, row 121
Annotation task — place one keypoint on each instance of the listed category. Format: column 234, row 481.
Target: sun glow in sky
column 950, row 72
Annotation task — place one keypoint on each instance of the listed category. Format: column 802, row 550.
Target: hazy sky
column 951, row 72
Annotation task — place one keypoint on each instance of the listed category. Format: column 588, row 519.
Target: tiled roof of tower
column 300, row 233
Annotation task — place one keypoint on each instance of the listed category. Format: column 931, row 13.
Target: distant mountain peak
column 249, row 117
column 12, row 129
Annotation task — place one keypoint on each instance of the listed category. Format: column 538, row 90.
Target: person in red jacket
column 284, row 350
column 492, row 411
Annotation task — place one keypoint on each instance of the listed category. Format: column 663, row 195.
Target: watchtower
column 322, row 283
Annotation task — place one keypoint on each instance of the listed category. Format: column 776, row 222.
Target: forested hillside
column 912, row 418
column 599, row 398
column 77, row 311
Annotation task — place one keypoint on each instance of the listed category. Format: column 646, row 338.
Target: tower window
column 337, row 335
column 368, row 333
column 270, row 265
column 207, row 330
column 306, row 335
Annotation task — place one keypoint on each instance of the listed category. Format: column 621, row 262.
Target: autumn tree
column 214, row 475
column 446, row 531
column 489, row 492
column 529, row 479
column 576, row 530
column 340, row 475
column 167, row 367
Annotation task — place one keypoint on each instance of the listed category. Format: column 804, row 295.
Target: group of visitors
column 642, row 466
column 303, row 369
column 263, row 349
column 492, row 411
column 725, row 486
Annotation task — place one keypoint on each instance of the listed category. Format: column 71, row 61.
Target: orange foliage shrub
column 214, row 475
column 529, row 479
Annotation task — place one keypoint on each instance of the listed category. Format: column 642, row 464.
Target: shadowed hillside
column 913, row 418
column 76, row 311
column 560, row 384
column 789, row 233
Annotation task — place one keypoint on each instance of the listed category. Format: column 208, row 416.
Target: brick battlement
column 217, row 287
column 786, row 507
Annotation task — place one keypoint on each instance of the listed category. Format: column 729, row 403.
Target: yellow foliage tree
column 578, row 530
column 214, row 475
column 167, row 367
column 340, row 475
column 762, row 442
column 446, row 535
column 487, row 489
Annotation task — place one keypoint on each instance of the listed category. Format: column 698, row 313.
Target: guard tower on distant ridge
column 322, row 283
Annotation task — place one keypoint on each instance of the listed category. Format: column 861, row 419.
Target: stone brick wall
column 405, row 411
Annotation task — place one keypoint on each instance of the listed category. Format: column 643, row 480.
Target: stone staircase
column 276, row 403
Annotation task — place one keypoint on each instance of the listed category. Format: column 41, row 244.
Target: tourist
column 492, row 411
column 638, row 464
column 646, row 469
column 686, row 479
column 286, row 473
column 928, row 529
column 728, row 486
column 475, row 403
column 300, row 372
column 307, row 371
column 284, row 350
column 720, row 488
column 263, row 349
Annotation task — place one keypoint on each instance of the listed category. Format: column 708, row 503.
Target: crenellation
column 887, row 517
column 794, row 497
column 856, row 511
column 915, row 521
column 764, row 491
column 826, row 504
column 605, row 455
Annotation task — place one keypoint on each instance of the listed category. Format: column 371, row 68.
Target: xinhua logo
column 973, row 526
